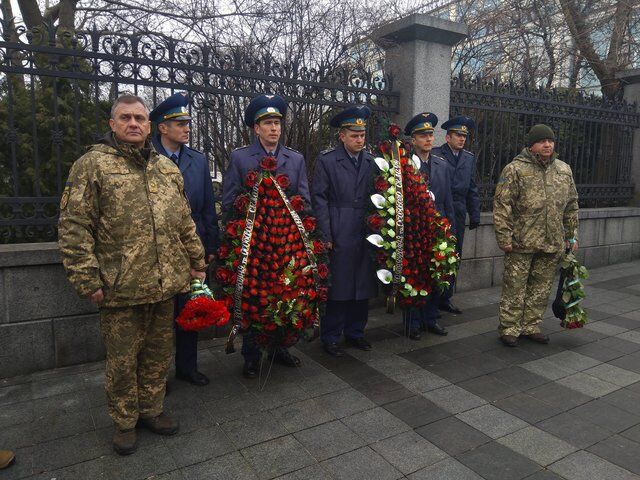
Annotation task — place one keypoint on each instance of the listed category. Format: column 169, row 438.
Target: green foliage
column 573, row 291
column 45, row 143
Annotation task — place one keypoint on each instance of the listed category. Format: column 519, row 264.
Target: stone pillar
column 631, row 81
column 418, row 57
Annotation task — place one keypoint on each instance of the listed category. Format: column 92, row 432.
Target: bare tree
column 583, row 25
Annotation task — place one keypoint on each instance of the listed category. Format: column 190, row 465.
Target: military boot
column 125, row 442
column 162, row 424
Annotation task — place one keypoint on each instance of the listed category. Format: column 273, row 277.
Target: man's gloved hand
column 474, row 225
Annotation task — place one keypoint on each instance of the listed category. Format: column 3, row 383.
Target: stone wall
column 43, row 323
column 607, row 236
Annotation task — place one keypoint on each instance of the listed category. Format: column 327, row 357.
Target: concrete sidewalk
column 455, row 407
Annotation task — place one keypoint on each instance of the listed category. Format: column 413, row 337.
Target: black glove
column 474, row 225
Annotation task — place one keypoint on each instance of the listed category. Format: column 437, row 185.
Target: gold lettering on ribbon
column 399, row 208
column 242, row 267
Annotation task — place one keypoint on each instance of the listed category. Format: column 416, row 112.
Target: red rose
column 319, row 247
column 241, row 203
column 232, row 228
column 381, row 257
column 225, row 275
column 375, row 222
column 269, row 163
column 309, row 223
column 394, row 130
column 323, row 270
column 439, row 256
column 283, row 180
column 385, row 147
column 381, row 184
column 297, row 202
column 251, row 178
column 223, row 252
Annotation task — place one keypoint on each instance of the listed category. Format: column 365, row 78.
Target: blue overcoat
column 244, row 159
column 463, row 187
column 439, row 174
column 199, row 191
column 341, row 201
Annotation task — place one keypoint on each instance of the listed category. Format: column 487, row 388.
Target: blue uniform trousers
column 426, row 316
column 186, row 342
column 344, row 316
column 251, row 351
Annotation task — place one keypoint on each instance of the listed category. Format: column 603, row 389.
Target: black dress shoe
column 415, row 335
column 449, row 307
column 194, row 378
column 437, row 329
column 360, row 343
column 250, row 369
column 333, row 349
column 284, row 357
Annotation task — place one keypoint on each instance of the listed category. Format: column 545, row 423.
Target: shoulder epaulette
column 240, row 148
column 437, row 156
column 292, row 149
column 328, row 150
column 468, row 152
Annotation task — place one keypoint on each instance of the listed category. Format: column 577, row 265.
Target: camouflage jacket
column 125, row 226
column 535, row 208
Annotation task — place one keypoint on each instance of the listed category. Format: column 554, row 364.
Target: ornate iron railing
column 594, row 135
column 56, row 88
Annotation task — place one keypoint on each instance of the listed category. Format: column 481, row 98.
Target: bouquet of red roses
column 416, row 249
column 273, row 266
column 202, row 310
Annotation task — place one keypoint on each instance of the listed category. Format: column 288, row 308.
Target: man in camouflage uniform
column 128, row 243
column 535, row 214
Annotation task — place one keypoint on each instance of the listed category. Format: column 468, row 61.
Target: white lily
column 416, row 162
column 382, row 164
column 385, row 276
column 432, row 195
column 375, row 239
column 378, row 200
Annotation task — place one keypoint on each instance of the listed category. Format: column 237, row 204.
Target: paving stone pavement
column 455, row 407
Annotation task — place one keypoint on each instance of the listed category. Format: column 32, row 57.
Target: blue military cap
column 459, row 124
column 173, row 108
column 264, row 106
column 352, row 118
column 421, row 123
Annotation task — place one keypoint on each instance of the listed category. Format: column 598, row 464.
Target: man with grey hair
column 128, row 244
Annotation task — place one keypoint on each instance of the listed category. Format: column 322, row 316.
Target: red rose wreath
column 272, row 268
column 416, row 249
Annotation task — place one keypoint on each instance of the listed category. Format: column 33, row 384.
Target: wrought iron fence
column 594, row 136
column 56, row 88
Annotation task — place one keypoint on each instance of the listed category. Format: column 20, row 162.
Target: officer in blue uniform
column 463, row 187
column 341, row 189
column 173, row 126
column 438, row 176
column 264, row 115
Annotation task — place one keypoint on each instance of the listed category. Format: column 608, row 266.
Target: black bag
column 558, row 304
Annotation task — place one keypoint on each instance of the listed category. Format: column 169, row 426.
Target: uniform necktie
column 175, row 159
column 355, row 160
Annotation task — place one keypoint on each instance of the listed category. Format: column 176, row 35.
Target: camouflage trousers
column 139, row 342
column 526, row 284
